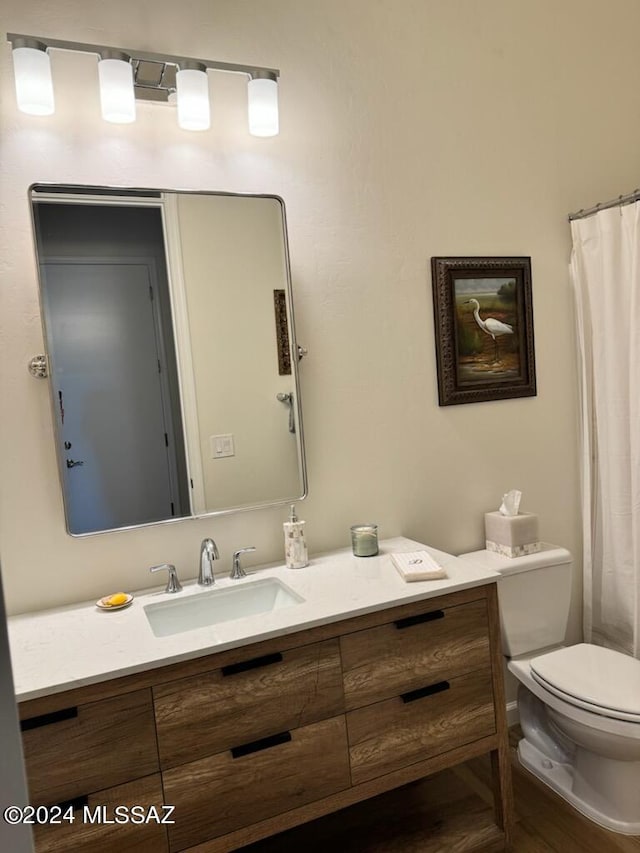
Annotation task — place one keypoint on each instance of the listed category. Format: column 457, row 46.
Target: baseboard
column 513, row 717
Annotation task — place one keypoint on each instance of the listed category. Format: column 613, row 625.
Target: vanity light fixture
column 263, row 104
column 126, row 75
column 32, row 71
column 192, row 90
column 117, row 97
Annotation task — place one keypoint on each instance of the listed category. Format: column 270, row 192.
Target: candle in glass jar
column 364, row 540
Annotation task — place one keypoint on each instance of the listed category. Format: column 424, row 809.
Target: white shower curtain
column 605, row 273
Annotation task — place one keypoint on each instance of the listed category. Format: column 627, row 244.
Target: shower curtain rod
column 630, row 198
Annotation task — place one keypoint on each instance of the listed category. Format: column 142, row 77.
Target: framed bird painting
column 484, row 328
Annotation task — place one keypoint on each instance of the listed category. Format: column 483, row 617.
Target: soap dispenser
column 295, row 546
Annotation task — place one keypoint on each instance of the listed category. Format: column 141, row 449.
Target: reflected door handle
column 72, row 464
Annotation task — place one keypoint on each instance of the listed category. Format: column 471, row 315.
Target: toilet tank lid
column 548, row 555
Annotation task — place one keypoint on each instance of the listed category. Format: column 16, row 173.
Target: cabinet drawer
column 254, row 698
column 391, row 659
column 89, row 747
column 221, row 793
column 440, row 716
column 83, row 836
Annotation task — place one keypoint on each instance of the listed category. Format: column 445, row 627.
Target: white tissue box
column 511, row 535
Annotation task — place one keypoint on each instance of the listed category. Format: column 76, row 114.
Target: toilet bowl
column 581, row 732
column 579, row 705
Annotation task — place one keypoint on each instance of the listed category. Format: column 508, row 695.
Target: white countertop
column 76, row 645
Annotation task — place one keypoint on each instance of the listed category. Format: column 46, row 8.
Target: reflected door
column 108, row 393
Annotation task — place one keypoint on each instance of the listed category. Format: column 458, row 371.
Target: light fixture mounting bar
column 138, row 57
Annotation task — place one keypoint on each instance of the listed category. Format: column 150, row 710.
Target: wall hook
column 38, row 367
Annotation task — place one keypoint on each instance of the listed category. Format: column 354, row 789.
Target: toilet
column 579, row 705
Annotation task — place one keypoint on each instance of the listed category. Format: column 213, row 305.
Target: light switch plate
column 221, row 446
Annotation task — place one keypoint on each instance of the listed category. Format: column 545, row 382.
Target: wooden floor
column 452, row 811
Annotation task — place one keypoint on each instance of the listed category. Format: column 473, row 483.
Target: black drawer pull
column 258, row 745
column 418, row 620
column 76, row 803
column 412, row 695
column 254, row 663
column 48, row 719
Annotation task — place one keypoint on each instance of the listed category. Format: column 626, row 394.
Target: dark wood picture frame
column 483, row 315
column 282, row 332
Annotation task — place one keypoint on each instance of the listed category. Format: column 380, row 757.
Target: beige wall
column 409, row 128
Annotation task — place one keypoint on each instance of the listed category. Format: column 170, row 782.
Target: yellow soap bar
column 115, row 599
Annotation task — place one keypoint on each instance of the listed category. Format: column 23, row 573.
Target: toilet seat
column 599, row 680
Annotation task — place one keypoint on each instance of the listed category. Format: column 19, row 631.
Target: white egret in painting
column 490, row 326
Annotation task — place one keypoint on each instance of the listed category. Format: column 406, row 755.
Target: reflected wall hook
column 288, row 399
column 38, row 367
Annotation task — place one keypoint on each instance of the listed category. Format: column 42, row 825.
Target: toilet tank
column 534, row 594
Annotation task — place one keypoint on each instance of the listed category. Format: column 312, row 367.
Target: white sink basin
column 219, row 605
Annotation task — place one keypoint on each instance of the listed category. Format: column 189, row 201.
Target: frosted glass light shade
column 192, row 89
column 117, row 98
column 263, row 107
column 34, row 86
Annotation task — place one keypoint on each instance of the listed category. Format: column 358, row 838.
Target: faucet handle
column 237, row 571
column 173, row 584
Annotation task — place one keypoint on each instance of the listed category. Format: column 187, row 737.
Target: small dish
column 100, row 603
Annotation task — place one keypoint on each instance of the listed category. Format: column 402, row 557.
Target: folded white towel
column 417, row 566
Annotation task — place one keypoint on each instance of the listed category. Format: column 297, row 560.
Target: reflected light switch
column 221, row 445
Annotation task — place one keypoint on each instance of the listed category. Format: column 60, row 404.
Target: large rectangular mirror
column 171, row 350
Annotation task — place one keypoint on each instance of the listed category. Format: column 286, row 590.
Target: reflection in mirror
column 169, row 333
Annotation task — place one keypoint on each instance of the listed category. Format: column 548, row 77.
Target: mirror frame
column 296, row 350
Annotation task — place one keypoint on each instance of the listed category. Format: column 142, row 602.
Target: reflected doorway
column 112, row 362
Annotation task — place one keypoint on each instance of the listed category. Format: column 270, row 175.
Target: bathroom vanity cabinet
column 252, row 741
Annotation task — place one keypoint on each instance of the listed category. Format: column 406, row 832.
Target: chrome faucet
column 237, row 571
column 208, row 553
column 173, row 584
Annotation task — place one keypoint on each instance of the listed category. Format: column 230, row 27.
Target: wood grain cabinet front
column 87, row 748
column 409, row 653
column 419, row 724
column 254, row 781
column 106, row 821
column 247, row 700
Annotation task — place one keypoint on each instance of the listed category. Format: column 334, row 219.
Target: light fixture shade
column 34, row 87
column 263, row 106
column 192, row 89
column 117, row 97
